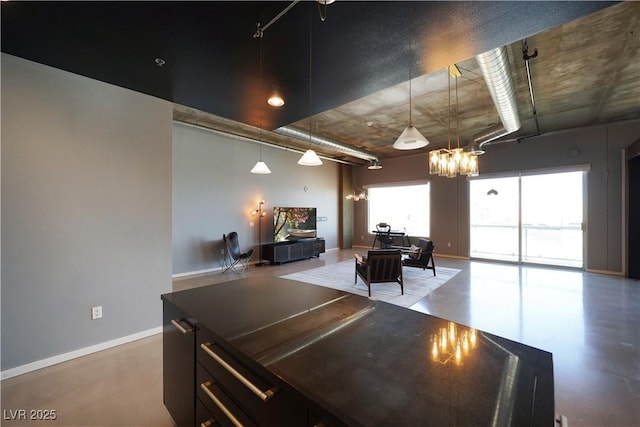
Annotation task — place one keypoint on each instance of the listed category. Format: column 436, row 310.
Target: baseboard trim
column 607, row 272
column 450, row 256
column 360, row 247
column 50, row 361
column 191, row 274
column 195, row 273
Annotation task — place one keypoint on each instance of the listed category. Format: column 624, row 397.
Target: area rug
column 418, row 283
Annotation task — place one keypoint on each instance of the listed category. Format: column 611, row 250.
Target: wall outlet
column 222, row 251
column 250, row 223
column 96, row 312
column 448, row 244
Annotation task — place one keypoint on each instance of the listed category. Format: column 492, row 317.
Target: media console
column 292, row 250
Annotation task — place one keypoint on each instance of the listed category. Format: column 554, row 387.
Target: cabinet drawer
column 295, row 251
column 281, row 253
column 204, row 417
column 225, row 410
column 251, row 388
column 307, row 249
column 265, row 403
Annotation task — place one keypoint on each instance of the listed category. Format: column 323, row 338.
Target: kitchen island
column 271, row 351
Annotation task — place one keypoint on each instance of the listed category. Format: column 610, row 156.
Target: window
column 404, row 207
column 533, row 218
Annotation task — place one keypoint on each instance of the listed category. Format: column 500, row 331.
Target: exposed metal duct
column 324, row 142
column 494, row 65
column 228, row 134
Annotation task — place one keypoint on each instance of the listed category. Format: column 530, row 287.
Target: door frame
column 585, row 168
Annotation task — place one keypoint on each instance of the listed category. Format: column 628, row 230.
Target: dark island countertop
column 370, row 363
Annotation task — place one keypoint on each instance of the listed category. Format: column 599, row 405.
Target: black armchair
column 383, row 265
column 234, row 258
column 421, row 256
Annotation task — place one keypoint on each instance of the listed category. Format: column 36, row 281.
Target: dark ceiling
column 589, row 52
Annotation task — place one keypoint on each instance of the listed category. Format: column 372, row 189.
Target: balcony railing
column 541, row 244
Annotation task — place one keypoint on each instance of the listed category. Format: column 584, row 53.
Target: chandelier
column 453, row 343
column 357, row 195
column 447, row 161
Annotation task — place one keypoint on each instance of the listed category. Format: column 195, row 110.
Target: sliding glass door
column 552, row 219
column 495, row 219
column 528, row 218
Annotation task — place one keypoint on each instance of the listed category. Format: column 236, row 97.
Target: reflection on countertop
column 372, row 363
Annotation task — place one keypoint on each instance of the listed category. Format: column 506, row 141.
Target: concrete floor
column 590, row 322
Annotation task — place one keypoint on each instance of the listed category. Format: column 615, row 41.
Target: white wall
column 86, row 211
column 213, row 193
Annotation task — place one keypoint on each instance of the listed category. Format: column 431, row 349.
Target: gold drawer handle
column 264, row 395
column 234, row 420
column 208, row 423
column 176, row 323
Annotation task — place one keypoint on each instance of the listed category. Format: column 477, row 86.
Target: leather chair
column 421, row 256
column 380, row 266
column 234, row 258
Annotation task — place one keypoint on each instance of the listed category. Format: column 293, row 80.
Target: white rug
column 417, row 282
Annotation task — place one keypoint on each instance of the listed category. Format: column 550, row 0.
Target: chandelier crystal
column 451, row 162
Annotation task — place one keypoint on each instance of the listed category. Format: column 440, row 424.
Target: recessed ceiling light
column 160, row 62
column 275, row 100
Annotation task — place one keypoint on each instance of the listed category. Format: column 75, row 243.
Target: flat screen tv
column 293, row 223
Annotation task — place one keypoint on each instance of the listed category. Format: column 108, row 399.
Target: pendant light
column 260, row 167
column 310, row 158
column 374, row 165
column 322, row 8
column 357, row 193
column 447, row 161
column 410, row 138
